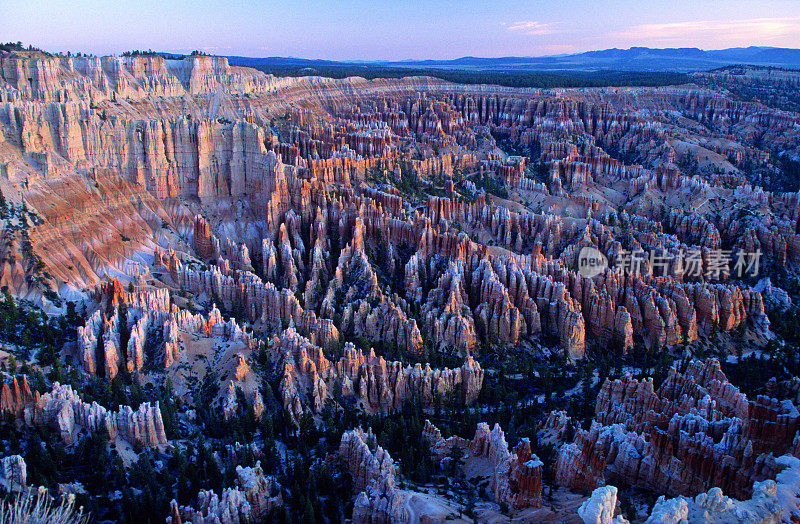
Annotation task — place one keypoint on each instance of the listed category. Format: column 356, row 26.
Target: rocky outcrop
column 64, row 411
column 161, row 325
column 600, row 507
column 516, row 477
column 15, row 396
column 553, row 429
column 112, row 294
column 253, row 498
column 355, row 278
column 246, row 382
column 373, row 473
column 447, row 315
column 205, row 243
column 771, row 501
column 377, row 385
column 696, row 432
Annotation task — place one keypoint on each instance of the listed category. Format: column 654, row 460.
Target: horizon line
column 186, row 52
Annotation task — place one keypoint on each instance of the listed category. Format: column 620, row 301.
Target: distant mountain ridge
column 683, row 59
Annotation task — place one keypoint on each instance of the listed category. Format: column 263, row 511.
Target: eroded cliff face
column 64, row 411
column 377, row 385
column 46, row 78
column 697, row 431
column 217, row 220
column 771, row 501
column 272, row 163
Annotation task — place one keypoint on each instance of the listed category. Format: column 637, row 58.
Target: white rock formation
column 64, row 410
column 600, row 507
column 252, row 501
column 772, row 501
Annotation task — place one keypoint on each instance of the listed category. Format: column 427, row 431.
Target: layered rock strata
column 696, row 432
column 66, row 121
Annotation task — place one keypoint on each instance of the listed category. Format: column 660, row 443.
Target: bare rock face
column 384, row 321
column 696, row 432
column 15, row 396
column 600, row 507
column 134, row 77
column 100, row 339
column 516, row 476
column 204, row 242
column 63, row 410
column 13, row 473
column 580, row 464
column 100, row 226
column 252, row 499
column 112, row 294
column 553, row 429
column 263, row 493
column 507, row 273
column 309, row 378
column 245, row 381
column 447, row 314
column 149, row 318
column 379, row 501
column 264, row 303
column 87, row 341
column 771, row 501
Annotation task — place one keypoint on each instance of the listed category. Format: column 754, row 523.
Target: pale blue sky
column 357, row 29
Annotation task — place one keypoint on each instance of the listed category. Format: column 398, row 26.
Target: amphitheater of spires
column 204, row 210
column 698, row 435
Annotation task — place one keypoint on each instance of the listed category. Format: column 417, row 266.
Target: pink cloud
column 725, row 31
column 531, row 27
